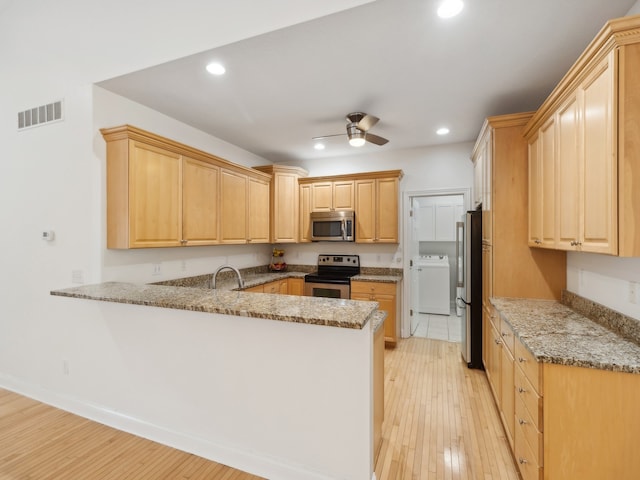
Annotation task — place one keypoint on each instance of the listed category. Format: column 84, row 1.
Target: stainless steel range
column 333, row 277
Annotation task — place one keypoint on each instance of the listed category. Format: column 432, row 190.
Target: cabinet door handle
column 521, row 360
column 504, row 334
column 521, row 390
column 497, row 340
column 521, row 421
column 537, row 241
column 522, row 461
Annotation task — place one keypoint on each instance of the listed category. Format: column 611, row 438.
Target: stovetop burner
column 335, row 269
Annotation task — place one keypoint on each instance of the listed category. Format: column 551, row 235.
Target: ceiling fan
column 358, row 125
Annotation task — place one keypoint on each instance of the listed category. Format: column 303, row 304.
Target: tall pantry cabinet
column 510, row 267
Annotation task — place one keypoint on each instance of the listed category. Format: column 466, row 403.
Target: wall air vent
column 34, row 117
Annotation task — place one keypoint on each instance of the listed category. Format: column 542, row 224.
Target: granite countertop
column 377, row 278
column 554, row 333
column 378, row 319
column 287, row 308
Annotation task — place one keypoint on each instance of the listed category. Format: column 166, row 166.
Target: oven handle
column 343, row 228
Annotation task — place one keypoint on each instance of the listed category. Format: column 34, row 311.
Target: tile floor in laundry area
column 439, row 327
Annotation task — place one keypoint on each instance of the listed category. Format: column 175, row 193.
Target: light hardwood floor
column 440, row 419
column 440, row 423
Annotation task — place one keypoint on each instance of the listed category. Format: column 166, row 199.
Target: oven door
column 327, row 290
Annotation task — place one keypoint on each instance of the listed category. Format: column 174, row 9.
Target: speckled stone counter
column 227, row 280
column 377, row 278
column 554, row 333
column 378, row 319
column 287, row 308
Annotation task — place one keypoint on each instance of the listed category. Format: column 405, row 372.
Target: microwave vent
column 36, row 116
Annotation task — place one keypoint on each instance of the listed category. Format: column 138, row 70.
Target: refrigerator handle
column 459, row 280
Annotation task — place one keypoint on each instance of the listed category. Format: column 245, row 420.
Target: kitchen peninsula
column 279, row 385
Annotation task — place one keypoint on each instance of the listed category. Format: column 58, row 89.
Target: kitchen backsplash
column 203, row 281
column 623, row 325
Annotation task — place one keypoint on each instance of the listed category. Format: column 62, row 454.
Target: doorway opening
column 430, row 287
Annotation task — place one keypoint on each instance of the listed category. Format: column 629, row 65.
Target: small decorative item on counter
column 277, row 261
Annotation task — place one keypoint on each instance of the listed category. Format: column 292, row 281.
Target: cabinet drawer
column 373, row 288
column 508, row 338
column 525, row 458
column 527, row 362
column 272, row 287
column 530, row 431
column 530, row 399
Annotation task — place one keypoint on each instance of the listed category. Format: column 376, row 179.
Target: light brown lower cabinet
column 569, row 422
column 256, row 289
column 295, row 286
column 378, row 389
column 286, row 286
column 386, row 294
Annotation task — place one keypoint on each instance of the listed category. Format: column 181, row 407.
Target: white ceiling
column 394, row 59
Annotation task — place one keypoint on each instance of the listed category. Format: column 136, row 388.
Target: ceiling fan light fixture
column 356, row 136
column 357, row 141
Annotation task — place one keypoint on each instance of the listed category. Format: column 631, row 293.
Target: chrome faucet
column 222, row 267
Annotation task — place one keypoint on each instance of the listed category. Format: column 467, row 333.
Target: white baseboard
column 263, row 466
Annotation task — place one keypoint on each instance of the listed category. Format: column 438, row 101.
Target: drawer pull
column 521, row 421
column 522, row 461
column 521, row 390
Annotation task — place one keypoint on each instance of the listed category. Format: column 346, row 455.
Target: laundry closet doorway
column 430, row 261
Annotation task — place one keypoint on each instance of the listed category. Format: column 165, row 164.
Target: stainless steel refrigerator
column 469, row 282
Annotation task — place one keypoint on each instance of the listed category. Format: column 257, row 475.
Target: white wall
column 52, row 177
column 635, row 10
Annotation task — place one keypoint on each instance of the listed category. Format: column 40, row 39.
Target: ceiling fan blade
column 370, row 137
column 367, row 122
column 327, row 136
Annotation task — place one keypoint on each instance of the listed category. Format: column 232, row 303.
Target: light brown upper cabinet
column 596, row 108
column 330, row 196
column 542, row 187
column 377, row 210
column 284, row 202
column 200, row 204
column 161, row 193
column 244, row 216
column 305, row 213
column 372, row 195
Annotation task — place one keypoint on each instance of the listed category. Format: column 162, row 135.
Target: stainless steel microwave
column 336, row 226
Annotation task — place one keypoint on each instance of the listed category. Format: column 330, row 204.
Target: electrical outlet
column 633, row 287
column 156, row 269
column 77, row 276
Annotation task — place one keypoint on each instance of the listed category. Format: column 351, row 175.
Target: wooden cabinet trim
column 615, row 33
column 149, row 138
column 353, row 176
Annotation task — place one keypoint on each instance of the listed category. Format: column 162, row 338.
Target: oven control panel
column 339, row 260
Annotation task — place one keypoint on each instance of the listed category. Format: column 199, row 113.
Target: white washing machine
column 433, row 284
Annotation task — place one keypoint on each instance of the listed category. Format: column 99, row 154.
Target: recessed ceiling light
column 216, row 68
column 442, row 131
column 450, row 8
column 319, row 146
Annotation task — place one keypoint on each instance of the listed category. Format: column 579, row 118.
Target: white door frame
column 405, row 327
